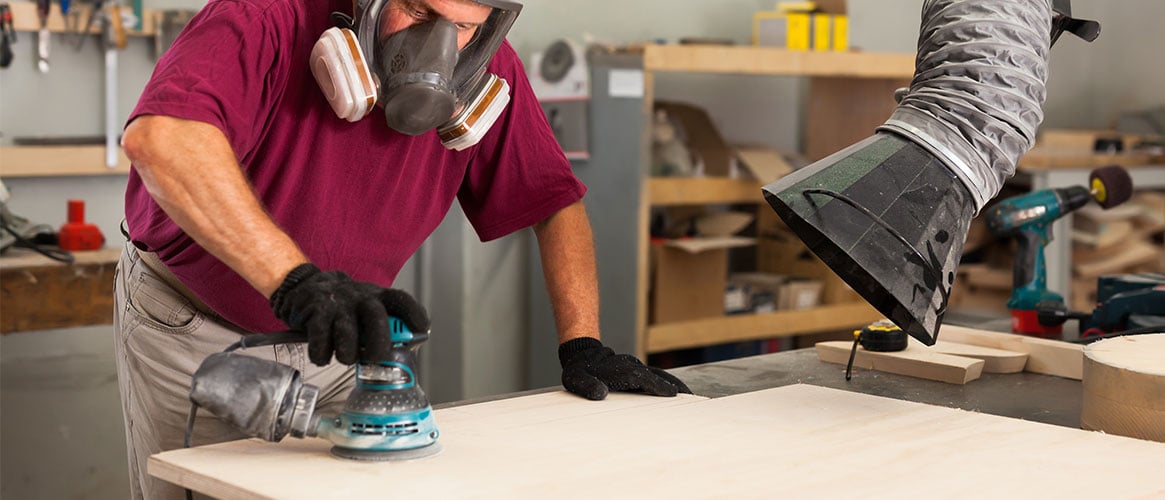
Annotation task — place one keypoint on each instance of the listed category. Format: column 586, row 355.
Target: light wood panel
column 702, row 190
column 843, row 111
column 791, row 441
column 1050, row 357
column 49, row 161
column 752, row 60
column 721, row 329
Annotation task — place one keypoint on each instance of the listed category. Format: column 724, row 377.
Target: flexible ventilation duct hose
column 889, row 214
column 979, row 84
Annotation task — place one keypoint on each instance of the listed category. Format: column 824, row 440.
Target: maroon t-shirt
column 357, row 197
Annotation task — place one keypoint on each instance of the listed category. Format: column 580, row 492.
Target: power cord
column 50, row 251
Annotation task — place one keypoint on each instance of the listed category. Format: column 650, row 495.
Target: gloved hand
column 343, row 316
column 590, row 369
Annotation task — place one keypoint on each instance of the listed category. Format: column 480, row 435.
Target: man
column 253, row 207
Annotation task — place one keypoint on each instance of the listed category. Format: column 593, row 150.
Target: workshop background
column 60, row 423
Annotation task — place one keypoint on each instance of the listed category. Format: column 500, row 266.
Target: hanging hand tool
column 1028, row 219
column 387, row 416
column 7, row 35
column 114, row 40
column 42, row 37
column 95, row 11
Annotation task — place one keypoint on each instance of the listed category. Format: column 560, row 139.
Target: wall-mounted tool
column 1028, row 218
column 560, row 77
column 7, row 35
column 387, row 416
column 42, row 36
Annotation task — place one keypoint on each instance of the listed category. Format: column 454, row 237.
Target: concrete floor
column 61, row 433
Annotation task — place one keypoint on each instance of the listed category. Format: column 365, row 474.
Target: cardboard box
column 800, row 293
column 689, row 277
column 791, row 257
column 701, row 137
column 769, row 29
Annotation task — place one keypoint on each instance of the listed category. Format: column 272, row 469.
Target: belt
column 152, row 262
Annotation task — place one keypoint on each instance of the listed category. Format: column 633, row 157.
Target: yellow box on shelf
column 840, row 32
column 798, row 30
column 822, row 31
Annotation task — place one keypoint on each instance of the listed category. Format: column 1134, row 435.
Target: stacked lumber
column 1121, row 240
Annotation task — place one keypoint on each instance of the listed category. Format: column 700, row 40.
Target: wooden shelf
column 24, row 18
column 702, row 190
column 53, row 161
column 751, row 60
column 744, row 327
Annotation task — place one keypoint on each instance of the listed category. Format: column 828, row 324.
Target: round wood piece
column 1124, row 386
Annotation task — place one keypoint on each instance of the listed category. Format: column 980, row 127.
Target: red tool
column 76, row 234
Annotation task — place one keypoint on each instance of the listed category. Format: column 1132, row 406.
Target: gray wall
column 484, row 345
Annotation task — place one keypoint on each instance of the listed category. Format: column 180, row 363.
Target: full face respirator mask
column 418, row 75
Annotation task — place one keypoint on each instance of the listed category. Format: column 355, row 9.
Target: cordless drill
column 1028, row 218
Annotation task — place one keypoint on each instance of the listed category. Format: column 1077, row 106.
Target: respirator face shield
column 425, row 63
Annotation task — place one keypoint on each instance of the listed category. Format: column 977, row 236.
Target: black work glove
column 343, row 316
column 590, row 369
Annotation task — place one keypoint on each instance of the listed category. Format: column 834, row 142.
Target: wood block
column 994, row 360
column 915, row 361
column 792, row 441
column 1049, row 357
column 1124, row 386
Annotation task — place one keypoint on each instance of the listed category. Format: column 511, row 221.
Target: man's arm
column 568, row 262
column 190, row 169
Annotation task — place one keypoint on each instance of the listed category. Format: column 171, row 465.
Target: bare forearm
column 568, row 262
column 190, row 169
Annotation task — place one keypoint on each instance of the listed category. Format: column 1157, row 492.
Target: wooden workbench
column 38, row 293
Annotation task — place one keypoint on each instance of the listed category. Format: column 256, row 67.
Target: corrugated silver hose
column 979, row 85
column 889, row 214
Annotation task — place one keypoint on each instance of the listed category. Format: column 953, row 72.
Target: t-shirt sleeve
column 224, row 69
column 519, row 175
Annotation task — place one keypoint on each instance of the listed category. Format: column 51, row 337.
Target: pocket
column 157, row 304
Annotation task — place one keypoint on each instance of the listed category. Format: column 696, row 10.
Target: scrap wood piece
column 994, row 360
column 915, row 361
column 1049, row 357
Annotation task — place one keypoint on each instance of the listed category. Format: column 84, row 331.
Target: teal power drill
column 1028, row 219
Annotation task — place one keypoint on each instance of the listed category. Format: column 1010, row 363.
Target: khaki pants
column 161, row 339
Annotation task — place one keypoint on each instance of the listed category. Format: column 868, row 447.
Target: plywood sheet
column 795, row 440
